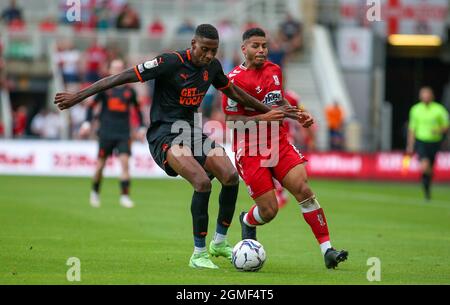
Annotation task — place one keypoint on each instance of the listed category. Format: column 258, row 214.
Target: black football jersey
column 114, row 115
column 179, row 85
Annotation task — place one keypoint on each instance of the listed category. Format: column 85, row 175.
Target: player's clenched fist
column 66, row 100
column 305, row 119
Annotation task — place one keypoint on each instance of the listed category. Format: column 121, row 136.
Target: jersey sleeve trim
column 138, row 74
column 188, row 53
column 179, row 56
column 226, row 86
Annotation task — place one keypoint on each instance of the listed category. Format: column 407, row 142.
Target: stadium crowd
column 81, row 67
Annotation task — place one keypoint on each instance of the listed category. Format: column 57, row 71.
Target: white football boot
column 126, row 202
column 94, row 199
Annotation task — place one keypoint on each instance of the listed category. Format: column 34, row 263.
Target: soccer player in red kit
column 263, row 80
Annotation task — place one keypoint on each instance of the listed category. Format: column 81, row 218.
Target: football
column 248, row 255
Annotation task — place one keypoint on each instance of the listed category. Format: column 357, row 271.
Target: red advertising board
column 376, row 166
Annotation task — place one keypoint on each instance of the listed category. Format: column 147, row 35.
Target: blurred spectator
column 69, row 60
column 303, row 138
column 186, row 28
column 2, row 67
column 291, row 33
column 113, row 51
column 48, row 25
column 12, row 13
column 103, row 15
column 20, row 117
column 156, row 28
column 226, row 30
column 335, row 120
column 277, row 53
column 47, row 124
column 128, row 18
column 208, row 102
column 16, row 25
column 116, row 6
column 77, row 117
column 96, row 57
column 249, row 25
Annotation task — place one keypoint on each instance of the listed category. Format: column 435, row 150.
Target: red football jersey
column 264, row 84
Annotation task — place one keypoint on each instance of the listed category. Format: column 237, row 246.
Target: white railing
column 6, row 112
column 5, row 106
column 327, row 73
column 331, row 84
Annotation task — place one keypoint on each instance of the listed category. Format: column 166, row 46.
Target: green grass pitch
column 44, row 221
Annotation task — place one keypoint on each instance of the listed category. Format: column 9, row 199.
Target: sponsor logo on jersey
column 115, row 104
column 205, row 75
column 151, row 64
column 231, row 105
column 191, row 96
column 272, row 98
column 277, row 81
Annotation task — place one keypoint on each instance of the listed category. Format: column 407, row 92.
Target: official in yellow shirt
column 428, row 124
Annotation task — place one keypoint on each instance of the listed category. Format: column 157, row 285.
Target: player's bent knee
column 231, row 178
column 268, row 212
column 304, row 192
column 202, row 185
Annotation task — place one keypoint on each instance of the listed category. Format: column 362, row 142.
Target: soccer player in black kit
column 181, row 80
column 114, row 133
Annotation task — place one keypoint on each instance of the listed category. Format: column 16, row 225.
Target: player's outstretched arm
column 272, row 115
column 304, row 117
column 243, row 98
column 66, row 100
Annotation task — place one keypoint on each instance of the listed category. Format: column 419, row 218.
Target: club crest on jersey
column 258, row 89
column 272, row 98
column 151, row 64
column 277, row 81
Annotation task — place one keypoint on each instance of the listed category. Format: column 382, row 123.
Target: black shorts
column 427, row 150
column 160, row 139
column 108, row 146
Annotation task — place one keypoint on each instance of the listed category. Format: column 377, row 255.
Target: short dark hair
column 207, row 31
column 253, row 32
